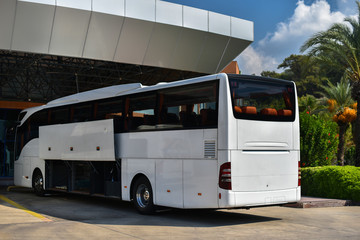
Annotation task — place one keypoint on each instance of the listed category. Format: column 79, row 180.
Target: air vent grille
column 210, row 149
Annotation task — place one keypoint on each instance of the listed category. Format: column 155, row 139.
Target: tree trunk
column 356, row 96
column 341, row 147
column 356, row 137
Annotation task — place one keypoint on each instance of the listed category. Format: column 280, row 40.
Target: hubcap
column 146, row 195
column 39, row 183
column 142, row 195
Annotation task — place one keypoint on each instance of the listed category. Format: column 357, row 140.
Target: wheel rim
column 38, row 183
column 142, row 196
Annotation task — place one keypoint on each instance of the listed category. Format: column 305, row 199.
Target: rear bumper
column 231, row 199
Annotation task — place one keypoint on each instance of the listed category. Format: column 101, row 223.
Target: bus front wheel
column 143, row 196
column 38, row 183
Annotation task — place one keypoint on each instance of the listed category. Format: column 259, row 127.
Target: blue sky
column 280, row 26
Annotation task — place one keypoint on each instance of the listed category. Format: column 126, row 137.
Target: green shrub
column 318, row 140
column 331, row 182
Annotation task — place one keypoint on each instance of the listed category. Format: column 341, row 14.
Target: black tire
column 38, row 183
column 142, row 196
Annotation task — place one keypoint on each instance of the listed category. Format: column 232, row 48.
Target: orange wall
column 18, row 105
column 232, row 68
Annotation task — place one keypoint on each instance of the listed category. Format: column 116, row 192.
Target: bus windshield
column 255, row 99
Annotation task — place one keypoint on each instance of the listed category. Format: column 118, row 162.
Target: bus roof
column 95, row 94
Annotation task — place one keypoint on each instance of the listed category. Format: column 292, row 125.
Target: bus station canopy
column 141, row 32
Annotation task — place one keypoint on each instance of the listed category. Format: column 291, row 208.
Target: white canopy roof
column 144, row 32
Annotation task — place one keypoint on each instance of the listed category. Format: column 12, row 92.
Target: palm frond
column 339, row 46
column 341, row 93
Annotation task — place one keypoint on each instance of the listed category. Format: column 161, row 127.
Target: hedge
column 318, row 140
column 331, row 182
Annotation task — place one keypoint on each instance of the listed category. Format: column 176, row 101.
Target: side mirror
column 10, row 131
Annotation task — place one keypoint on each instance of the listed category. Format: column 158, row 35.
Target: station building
column 53, row 48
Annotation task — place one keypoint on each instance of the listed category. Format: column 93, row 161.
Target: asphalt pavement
column 64, row 216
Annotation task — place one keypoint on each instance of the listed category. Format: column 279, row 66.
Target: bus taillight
column 299, row 175
column 225, row 176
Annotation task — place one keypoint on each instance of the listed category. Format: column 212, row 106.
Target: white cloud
column 306, row 21
column 253, row 62
column 289, row 36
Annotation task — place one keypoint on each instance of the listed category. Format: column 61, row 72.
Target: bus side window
column 29, row 130
column 140, row 112
column 188, row 117
column 81, row 113
column 110, row 109
column 20, row 132
column 194, row 105
column 35, row 121
column 59, row 115
column 208, row 117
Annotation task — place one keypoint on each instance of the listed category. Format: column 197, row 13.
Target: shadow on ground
column 97, row 210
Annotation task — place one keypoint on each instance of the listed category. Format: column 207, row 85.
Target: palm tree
column 339, row 99
column 339, row 47
column 341, row 93
column 309, row 103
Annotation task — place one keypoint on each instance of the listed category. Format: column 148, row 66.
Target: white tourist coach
column 219, row 141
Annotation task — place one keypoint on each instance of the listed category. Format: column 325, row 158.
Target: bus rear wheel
column 38, row 183
column 142, row 196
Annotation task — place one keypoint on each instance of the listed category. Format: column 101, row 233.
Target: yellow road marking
column 24, row 209
column 11, row 187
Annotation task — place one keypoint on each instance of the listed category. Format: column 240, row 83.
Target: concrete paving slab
column 12, row 215
column 81, row 217
column 316, row 202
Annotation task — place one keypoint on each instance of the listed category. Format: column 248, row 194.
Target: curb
column 314, row 202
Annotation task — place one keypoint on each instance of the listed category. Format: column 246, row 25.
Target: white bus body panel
column 227, row 136
column 27, row 162
column 254, row 171
column 169, row 182
column 88, row 141
column 175, row 164
column 193, row 187
column 265, row 159
column 264, row 135
column 200, row 184
column 232, row 199
column 182, row 144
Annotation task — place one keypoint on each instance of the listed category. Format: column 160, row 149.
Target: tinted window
column 110, row 108
column 29, row 130
column 20, row 139
column 82, row 113
column 59, row 115
column 21, row 116
column 36, row 120
column 140, row 112
column 189, row 106
column 263, row 100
